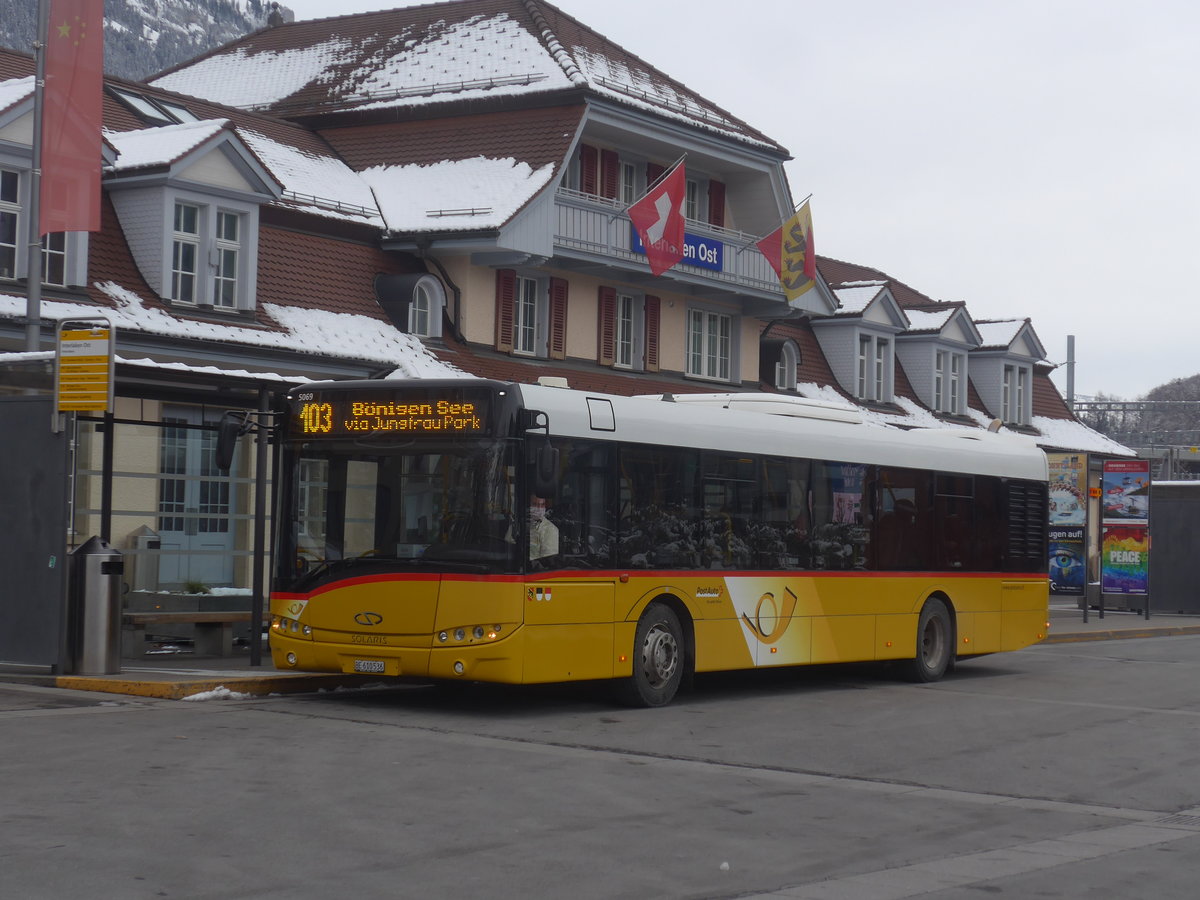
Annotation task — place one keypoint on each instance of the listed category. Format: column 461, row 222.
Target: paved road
column 1064, row 770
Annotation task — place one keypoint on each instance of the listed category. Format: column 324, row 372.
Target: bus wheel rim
column 660, row 655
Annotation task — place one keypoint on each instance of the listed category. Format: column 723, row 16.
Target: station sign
column 702, row 252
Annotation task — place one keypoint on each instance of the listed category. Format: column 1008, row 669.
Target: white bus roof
column 807, row 429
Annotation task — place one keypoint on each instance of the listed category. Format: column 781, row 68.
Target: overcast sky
column 1029, row 157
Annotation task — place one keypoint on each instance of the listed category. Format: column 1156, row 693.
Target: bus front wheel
column 935, row 643
column 658, row 658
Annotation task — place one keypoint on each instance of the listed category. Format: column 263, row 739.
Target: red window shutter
column 506, row 299
column 606, row 327
column 716, row 203
column 587, row 169
column 610, row 172
column 653, row 172
column 653, row 305
column 558, row 318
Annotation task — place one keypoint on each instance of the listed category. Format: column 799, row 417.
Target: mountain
column 142, row 37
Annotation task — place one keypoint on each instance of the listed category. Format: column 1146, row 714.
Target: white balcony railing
column 593, row 226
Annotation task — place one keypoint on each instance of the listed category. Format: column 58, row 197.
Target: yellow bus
column 475, row 530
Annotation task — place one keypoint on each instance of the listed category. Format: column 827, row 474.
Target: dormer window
column 207, row 252
column 1015, row 399
column 948, row 382
column 64, row 255
column 228, row 252
column 785, row 369
column 10, row 211
column 185, row 248
column 874, row 383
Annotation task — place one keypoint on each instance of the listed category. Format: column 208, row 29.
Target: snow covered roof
column 149, row 147
column 857, row 297
column 1001, row 333
column 338, row 335
column 439, row 53
column 14, row 91
column 928, row 320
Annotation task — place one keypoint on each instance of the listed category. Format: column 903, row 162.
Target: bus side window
column 582, row 511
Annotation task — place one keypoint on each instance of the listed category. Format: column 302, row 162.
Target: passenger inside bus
column 543, row 534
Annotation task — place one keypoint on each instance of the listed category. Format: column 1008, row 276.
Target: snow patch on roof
column 341, row 335
column 323, row 185
column 477, row 56
column 856, row 299
column 247, row 80
column 454, row 195
column 14, row 90
column 999, row 334
column 923, row 320
column 160, row 146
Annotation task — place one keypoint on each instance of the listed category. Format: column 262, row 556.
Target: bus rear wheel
column 658, row 659
column 935, row 643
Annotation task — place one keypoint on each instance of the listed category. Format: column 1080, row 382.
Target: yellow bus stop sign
column 85, row 368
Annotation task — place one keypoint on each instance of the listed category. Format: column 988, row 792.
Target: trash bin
column 96, row 573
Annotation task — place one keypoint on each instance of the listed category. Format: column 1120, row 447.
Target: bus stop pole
column 262, row 436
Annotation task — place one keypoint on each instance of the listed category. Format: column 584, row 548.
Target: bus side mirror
column 229, row 429
column 545, row 471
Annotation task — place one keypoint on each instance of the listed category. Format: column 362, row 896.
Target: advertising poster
column 1067, row 569
column 1125, row 559
column 1068, row 488
column 1125, row 492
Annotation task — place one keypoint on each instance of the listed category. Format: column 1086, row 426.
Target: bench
column 213, row 630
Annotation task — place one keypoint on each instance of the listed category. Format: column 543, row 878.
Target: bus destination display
column 339, row 415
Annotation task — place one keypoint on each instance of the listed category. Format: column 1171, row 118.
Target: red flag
column 658, row 218
column 71, row 115
column 789, row 250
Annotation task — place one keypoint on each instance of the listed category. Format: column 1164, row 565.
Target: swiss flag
column 72, row 103
column 658, row 218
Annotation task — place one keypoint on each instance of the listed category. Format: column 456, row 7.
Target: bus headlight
column 443, row 637
column 460, row 634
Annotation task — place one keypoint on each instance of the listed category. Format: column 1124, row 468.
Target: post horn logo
column 368, row 618
column 768, row 612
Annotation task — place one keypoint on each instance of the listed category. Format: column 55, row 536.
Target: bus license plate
column 373, row 666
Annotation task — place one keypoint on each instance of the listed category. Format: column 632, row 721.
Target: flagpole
column 33, row 268
column 754, row 241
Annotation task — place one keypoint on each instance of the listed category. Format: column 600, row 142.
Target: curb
column 181, row 690
column 1120, row 634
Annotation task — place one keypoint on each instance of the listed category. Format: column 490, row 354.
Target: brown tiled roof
column 536, row 136
column 315, row 272
column 372, row 40
column 1047, row 401
column 836, row 272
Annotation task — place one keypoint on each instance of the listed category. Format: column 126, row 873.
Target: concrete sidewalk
column 176, row 677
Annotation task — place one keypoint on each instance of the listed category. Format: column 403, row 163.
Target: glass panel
column 359, row 508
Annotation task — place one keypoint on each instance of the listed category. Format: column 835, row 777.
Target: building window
column 881, row 357
column 709, row 342
column 525, row 317
column 874, row 382
column 626, row 333
column 691, row 203
column 1014, row 398
column 10, row 210
column 54, row 259
column 185, row 251
column 947, row 382
column 629, row 192
column 225, row 290
column 785, row 369
column 420, row 311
